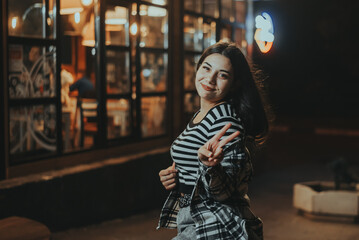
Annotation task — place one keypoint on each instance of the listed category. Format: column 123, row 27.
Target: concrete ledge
column 321, row 198
column 88, row 194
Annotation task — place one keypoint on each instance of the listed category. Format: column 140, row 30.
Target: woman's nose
column 212, row 78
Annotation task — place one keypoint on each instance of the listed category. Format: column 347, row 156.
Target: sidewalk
column 271, row 194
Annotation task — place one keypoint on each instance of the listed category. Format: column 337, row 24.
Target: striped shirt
column 184, row 149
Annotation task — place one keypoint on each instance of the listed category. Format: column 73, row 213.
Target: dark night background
column 313, row 67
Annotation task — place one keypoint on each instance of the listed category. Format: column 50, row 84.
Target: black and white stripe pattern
column 184, row 149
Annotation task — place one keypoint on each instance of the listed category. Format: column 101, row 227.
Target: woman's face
column 214, row 78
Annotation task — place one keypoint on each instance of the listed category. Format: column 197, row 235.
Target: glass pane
column 226, row 33
column 118, row 116
column 79, row 123
column 191, row 105
column 154, row 27
column 33, row 129
column 31, row 71
column 209, row 34
column 117, row 26
column 158, row 2
column 71, row 120
column 154, row 72
column 153, row 111
column 227, row 10
column 87, row 122
column 117, row 74
column 193, row 5
column 240, row 10
column 193, row 33
column 211, row 8
column 190, row 64
column 29, row 18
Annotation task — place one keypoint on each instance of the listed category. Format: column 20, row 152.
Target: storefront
column 84, row 80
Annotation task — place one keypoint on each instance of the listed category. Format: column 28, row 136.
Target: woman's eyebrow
column 208, row 64
column 225, row 71
column 222, row 70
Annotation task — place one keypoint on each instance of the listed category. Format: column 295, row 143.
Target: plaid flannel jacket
column 220, row 192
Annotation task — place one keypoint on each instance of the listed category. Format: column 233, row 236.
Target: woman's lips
column 205, row 87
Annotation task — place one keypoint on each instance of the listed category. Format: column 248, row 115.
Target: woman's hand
column 211, row 153
column 168, row 177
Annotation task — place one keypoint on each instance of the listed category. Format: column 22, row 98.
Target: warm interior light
column 14, row 22
column 134, row 9
column 88, row 33
column 77, row 17
column 70, row 7
column 143, row 10
column 117, row 17
column 133, row 29
column 156, row 12
column 86, row 3
column 159, row 2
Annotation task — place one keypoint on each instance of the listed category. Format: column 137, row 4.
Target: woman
column 211, row 169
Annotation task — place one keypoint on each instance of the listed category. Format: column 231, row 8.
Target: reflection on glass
column 153, row 110
column 117, row 74
column 118, row 116
column 227, row 9
column 31, row 71
column 153, row 72
column 33, row 129
column 211, row 8
column 154, row 27
column 28, row 18
column 158, row 2
column 191, row 105
column 190, row 64
column 193, row 33
column 226, row 33
column 240, row 10
column 117, row 26
column 209, row 34
column 193, row 5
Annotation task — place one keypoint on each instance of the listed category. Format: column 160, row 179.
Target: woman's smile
column 207, row 88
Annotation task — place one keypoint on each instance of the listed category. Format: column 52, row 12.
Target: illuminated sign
column 264, row 34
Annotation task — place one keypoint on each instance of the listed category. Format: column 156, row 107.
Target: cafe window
column 55, row 96
column 32, row 82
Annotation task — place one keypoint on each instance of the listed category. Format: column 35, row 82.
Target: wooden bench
column 19, row 228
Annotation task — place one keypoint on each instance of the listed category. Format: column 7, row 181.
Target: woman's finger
column 204, row 153
column 221, row 132
column 169, row 182
column 167, row 176
column 170, row 187
column 228, row 139
column 167, row 171
column 218, row 153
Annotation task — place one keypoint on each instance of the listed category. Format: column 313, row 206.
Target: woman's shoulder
column 224, row 110
column 224, row 113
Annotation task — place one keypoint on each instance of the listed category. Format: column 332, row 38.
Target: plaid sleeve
column 221, row 181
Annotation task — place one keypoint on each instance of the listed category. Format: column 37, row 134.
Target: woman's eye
column 206, row 68
column 223, row 76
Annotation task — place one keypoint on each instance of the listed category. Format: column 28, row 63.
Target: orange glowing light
column 264, row 34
